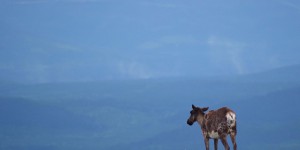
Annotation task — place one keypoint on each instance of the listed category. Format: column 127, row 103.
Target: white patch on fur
column 213, row 135
column 230, row 119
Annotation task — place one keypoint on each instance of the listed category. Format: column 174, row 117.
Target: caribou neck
column 200, row 119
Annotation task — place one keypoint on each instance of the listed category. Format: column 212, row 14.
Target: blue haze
column 115, row 74
column 91, row 40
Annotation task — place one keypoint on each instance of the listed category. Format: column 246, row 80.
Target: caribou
column 216, row 124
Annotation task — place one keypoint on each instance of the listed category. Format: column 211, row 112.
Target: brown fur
column 215, row 125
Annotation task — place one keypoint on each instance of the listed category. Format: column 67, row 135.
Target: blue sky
column 88, row 40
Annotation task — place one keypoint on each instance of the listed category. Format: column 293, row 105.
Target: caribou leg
column 206, row 141
column 224, row 142
column 216, row 144
column 232, row 136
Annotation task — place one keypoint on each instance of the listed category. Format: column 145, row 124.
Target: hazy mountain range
column 149, row 114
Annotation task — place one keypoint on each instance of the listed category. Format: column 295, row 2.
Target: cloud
column 134, row 70
column 174, row 40
column 216, row 41
column 139, row 70
column 178, row 39
column 150, row 45
column 160, row 4
column 67, row 47
column 225, row 51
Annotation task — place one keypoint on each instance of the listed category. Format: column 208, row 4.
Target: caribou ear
column 193, row 106
column 204, row 109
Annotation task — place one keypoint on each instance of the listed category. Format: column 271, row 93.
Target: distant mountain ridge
column 285, row 74
column 149, row 114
